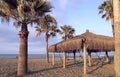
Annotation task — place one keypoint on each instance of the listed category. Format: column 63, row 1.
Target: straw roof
column 66, row 45
column 94, row 42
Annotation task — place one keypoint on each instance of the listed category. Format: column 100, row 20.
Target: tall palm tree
column 106, row 9
column 23, row 12
column 116, row 12
column 49, row 27
column 67, row 31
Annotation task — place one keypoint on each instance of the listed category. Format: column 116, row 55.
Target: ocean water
column 16, row 55
column 56, row 54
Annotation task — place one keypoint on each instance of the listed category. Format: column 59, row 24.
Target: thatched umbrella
column 70, row 44
column 97, row 42
column 86, row 41
column 94, row 42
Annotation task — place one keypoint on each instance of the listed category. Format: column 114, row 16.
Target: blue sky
column 80, row 14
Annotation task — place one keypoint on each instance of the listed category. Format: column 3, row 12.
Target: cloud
column 48, row 0
column 63, row 3
column 72, row 3
column 8, row 35
column 10, row 41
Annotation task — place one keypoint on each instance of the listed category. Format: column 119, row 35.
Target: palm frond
column 101, row 11
column 17, row 24
column 12, row 3
column 103, row 16
column 28, row 11
column 106, row 9
column 51, row 19
column 68, row 32
column 39, row 30
column 42, row 6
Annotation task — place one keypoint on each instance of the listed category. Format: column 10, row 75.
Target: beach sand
column 39, row 68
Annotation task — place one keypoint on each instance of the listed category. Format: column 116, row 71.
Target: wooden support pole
column 53, row 60
column 107, row 57
column 85, row 67
column 74, row 53
column 89, row 58
column 64, row 59
column 47, row 57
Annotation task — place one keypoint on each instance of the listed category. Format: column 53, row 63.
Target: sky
column 80, row 14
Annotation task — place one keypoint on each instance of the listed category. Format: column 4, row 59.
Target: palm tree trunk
column 116, row 11
column 113, row 27
column 47, row 54
column 22, row 59
column 65, row 36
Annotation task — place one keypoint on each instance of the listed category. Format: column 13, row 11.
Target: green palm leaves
column 24, row 11
column 48, row 25
column 106, row 9
column 67, row 31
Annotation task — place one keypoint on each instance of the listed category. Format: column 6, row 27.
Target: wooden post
column 89, row 58
column 85, row 67
column 53, row 60
column 74, row 52
column 64, row 59
column 107, row 57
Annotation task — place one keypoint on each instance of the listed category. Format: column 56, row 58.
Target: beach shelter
column 88, row 42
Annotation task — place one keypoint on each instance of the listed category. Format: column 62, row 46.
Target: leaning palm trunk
column 116, row 11
column 47, row 54
column 22, row 59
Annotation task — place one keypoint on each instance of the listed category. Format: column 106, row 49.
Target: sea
column 16, row 55
column 56, row 54
column 29, row 55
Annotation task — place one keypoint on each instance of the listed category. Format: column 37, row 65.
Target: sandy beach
column 39, row 68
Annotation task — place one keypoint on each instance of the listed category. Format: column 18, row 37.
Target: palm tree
column 116, row 12
column 67, row 31
column 106, row 9
column 49, row 27
column 23, row 12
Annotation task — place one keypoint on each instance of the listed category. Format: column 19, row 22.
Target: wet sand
column 38, row 67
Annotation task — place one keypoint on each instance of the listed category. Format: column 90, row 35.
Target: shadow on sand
column 46, row 69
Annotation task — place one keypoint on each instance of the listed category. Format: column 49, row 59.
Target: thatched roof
column 66, row 45
column 94, row 42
